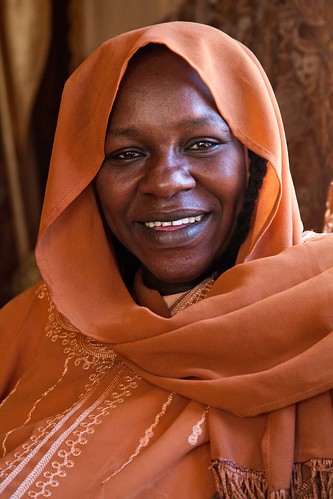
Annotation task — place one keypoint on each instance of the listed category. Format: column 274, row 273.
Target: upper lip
column 169, row 216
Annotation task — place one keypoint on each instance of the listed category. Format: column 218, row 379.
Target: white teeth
column 181, row 221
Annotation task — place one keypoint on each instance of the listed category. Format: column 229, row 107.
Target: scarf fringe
column 236, row 482
column 313, row 479
column 310, row 480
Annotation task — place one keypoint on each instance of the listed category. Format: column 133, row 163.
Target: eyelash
column 211, row 144
column 132, row 154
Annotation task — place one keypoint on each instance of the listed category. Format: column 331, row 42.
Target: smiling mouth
column 173, row 224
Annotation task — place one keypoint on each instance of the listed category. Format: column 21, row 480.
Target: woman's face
column 174, row 176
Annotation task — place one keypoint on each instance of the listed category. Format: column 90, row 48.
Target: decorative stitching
column 194, row 295
column 144, row 441
column 50, row 389
column 197, row 430
column 74, row 450
column 89, row 355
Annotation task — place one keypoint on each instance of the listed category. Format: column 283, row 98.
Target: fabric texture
column 108, row 396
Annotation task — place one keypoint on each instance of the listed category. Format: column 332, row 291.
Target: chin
column 179, row 277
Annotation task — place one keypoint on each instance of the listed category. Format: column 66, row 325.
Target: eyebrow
column 132, row 131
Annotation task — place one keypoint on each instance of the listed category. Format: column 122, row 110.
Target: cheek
column 115, row 197
column 230, row 186
column 108, row 196
column 111, row 192
column 238, row 175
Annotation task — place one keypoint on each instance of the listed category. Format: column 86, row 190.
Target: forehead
column 157, row 74
column 156, row 63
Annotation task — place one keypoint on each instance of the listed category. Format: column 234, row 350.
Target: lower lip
column 168, row 228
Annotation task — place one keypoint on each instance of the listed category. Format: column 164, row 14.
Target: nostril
column 165, row 182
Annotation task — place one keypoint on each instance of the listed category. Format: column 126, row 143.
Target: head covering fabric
column 234, row 76
column 257, row 351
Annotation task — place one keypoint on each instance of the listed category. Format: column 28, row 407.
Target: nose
column 166, row 175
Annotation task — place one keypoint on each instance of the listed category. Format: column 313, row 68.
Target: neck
column 171, row 288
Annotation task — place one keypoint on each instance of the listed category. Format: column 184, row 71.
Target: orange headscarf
column 258, row 349
column 245, row 99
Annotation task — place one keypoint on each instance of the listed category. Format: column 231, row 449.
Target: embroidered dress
column 49, row 461
column 110, row 394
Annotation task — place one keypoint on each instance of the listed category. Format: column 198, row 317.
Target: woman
column 180, row 343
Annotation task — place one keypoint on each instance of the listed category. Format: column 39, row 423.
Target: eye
column 203, row 145
column 125, row 156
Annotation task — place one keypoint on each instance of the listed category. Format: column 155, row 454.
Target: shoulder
column 22, row 323
column 16, row 311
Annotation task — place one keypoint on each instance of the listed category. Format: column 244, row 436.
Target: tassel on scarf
column 310, row 480
column 313, row 479
column 236, row 482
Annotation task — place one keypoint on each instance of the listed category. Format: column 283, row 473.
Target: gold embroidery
column 91, row 356
column 36, row 446
column 76, row 350
column 42, row 291
column 144, row 441
column 197, row 430
column 96, row 348
column 63, row 322
column 50, row 389
column 193, row 296
column 84, row 351
column 85, row 423
column 35, row 439
column 3, row 444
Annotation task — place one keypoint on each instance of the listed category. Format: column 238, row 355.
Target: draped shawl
column 250, row 366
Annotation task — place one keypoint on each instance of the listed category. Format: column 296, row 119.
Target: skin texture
column 169, row 155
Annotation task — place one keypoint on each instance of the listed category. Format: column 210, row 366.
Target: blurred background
column 43, row 41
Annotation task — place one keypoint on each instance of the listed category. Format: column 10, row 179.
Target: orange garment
column 110, row 397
